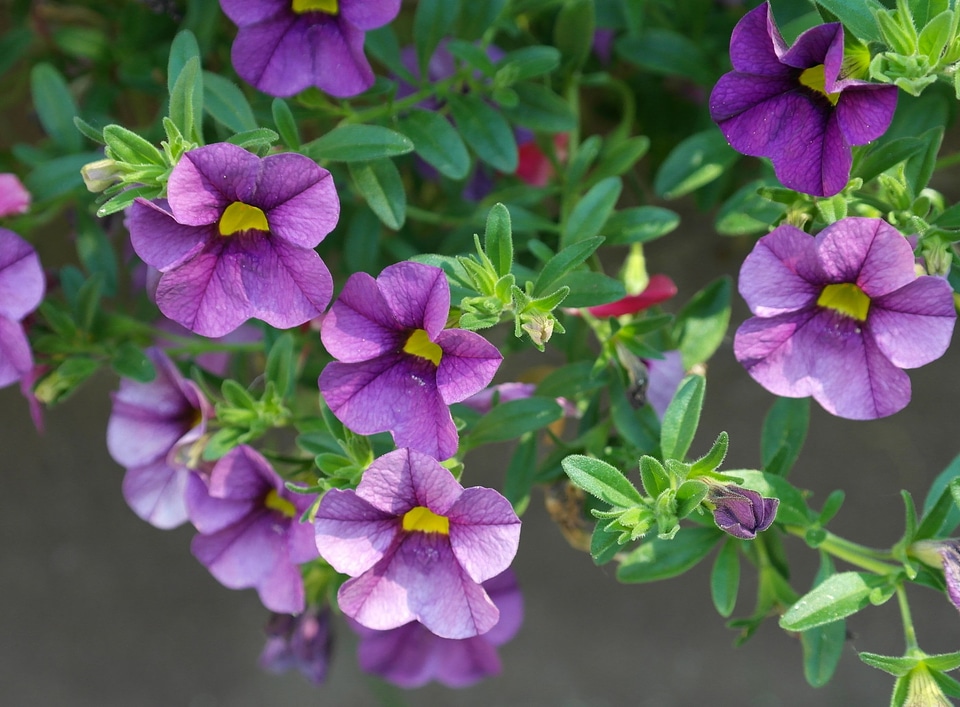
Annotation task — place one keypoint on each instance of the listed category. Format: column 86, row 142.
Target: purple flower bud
column 741, row 512
column 946, row 555
column 302, row 642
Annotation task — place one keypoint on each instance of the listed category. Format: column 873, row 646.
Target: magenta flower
column 742, row 512
column 250, row 534
column 398, row 369
column 21, row 288
column 418, row 546
column 14, row 197
column 149, row 425
column 302, row 642
column 285, row 46
column 838, row 316
column 236, row 237
column 794, row 106
column 411, row 656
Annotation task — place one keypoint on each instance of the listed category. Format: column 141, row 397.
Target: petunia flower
column 417, row 545
column 411, row 656
column 22, row 286
column 302, row 642
column 285, row 46
column 14, row 197
column 250, row 534
column 741, row 512
column 944, row 554
column 235, row 239
column 795, row 106
column 397, row 368
column 149, row 424
column 839, row 315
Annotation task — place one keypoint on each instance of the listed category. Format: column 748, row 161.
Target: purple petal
column 418, row 296
column 484, row 532
column 912, row 326
column 274, row 54
column 242, row 475
column 340, row 67
column 281, row 589
column 156, row 493
column 208, row 179
column 359, row 325
column 951, row 570
column 468, row 365
column 248, row 12
column 665, row 375
column 351, row 534
column 865, row 111
column 16, row 358
column 369, row 14
column 504, row 591
column 406, row 656
column 404, row 479
column 298, row 197
column 781, row 274
column 209, row 514
column 21, row 277
column 243, row 554
column 866, row 251
column 747, row 108
column 159, row 240
column 755, row 44
column 822, row 44
column 14, row 198
column 813, row 157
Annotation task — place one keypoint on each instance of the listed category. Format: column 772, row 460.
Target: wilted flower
column 14, row 198
column 21, row 288
column 795, row 106
column 250, row 530
column 417, row 545
column 235, row 239
column 411, row 656
column 741, row 512
column 838, row 316
column 301, row 642
column 397, row 368
column 149, row 424
column 285, row 46
column 659, row 289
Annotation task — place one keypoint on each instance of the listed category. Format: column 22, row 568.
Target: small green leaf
column 486, row 131
column 941, row 512
column 835, row 598
column 437, row 142
column 604, row 544
column 226, row 104
column 432, row 21
column 784, row 431
column 258, row 140
column 725, row 578
column 129, row 361
column 746, row 212
column 898, row 666
column 520, row 472
column 658, row 559
column 585, row 288
column 563, row 262
column 714, row 458
column 793, row 509
column 183, row 48
column 512, row 419
column 822, row 648
column 573, row 32
column 527, row 63
column 592, row 211
column 498, row 239
column 186, row 101
column 476, row 17
column 381, row 185
column 358, row 143
column 285, row 123
column 702, row 323
column 653, row 476
column 663, row 51
column 538, row 108
column 859, row 17
column 682, row 417
column 599, row 479
column 639, row 224
column 55, row 106
column 886, row 155
column 126, row 146
column 281, row 364
column 696, row 161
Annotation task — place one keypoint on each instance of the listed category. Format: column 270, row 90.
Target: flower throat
column 330, row 7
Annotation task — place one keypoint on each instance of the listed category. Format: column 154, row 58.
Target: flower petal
column 274, row 55
column 417, row 294
column 156, row 493
column 755, row 43
column 340, row 67
column 359, row 325
column 352, row 534
column 866, row 251
column 210, row 178
column 781, row 274
column 369, row 14
column 159, row 240
column 865, row 111
column 16, row 359
column 22, row 282
column 468, row 364
column 912, row 326
column 298, row 197
column 484, row 532
column 404, row 479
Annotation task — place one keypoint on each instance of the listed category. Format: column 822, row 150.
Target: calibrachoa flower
column 397, row 368
column 838, row 316
column 411, row 656
column 149, row 424
column 417, row 545
column 235, row 239
column 250, row 534
column 795, row 106
column 302, row 642
column 742, row 512
column 14, row 197
column 285, row 46
column 944, row 554
column 21, row 288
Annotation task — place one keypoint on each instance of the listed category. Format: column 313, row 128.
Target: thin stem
column 909, row 634
column 854, row 553
column 947, row 161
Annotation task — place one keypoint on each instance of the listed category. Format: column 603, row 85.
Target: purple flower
column 663, row 379
column 838, row 316
column 418, row 546
column 250, row 534
column 235, row 239
column 285, row 46
column 398, row 369
column 944, row 554
column 21, row 288
column 794, row 106
column 411, row 656
column 302, row 642
column 149, row 424
column 742, row 512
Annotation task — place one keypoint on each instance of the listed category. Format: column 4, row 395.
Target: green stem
column 947, row 161
column 909, row 633
column 854, row 553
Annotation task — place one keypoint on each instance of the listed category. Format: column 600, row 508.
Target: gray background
column 99, row 608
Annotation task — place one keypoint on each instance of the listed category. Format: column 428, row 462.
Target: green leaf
column 226, row 104
column 793, row 509
column 519, row 478
column 476, row 17
column 746, row 212
column 639, row 224
column 281, row 365
column 512, row 419
column 258, row 140
column 604, row 544
column 784, row 431
column 13, row 46
column 55, row 106
column 835, row 598
column 886, row 155
column 658, row 559
column 573, row 33
column 129, row 361
column 919, row 168
column 126, row 146
column 538, row 108
column 619, row 156
column 696, row 161
column 498, row 239
column 725, row 578
column 941, row 512
column 486, row 131
column 895, row 665
column 358, row 143
column 563, row 262
column 639, row 427
column 714, row 458
column 437, row 142
column 285, row 123
column 432, row 21
column 526, row 63
column 653, row 476
column 183, row 48
column 682, row 417
column 592, row 211
column 58, row 176
column 380, row 184
column 362, row 245
column 186, row 101
column 587, row 288
column 857, row 16
column 663, row 51
column 822, row 648
column 702, row 323
column 599, row 479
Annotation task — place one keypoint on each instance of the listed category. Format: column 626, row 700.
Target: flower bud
column 944, row 554
column 99, row 175
column 742, row 512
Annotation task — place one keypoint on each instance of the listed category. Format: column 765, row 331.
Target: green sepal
column 712, row 460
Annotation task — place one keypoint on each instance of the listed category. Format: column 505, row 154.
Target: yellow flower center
column 242, row 217
column 846, row 298
column 331, row 7
column 419, row 344
column 422, row 519
column 815, row 78
column 274, row 502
